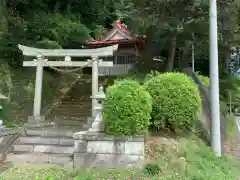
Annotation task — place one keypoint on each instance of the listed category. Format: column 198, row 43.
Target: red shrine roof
column 118, row 35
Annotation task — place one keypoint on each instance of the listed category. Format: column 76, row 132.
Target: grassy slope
column 178, row 159
column 22, row 94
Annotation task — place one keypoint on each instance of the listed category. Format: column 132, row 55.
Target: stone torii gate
column 41, row 62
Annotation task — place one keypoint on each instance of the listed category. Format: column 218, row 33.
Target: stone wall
column 93, row 149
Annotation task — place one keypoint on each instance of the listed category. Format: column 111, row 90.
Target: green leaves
column 51, row 24
column 127, row 109
column 61, row 29
column 176, row 101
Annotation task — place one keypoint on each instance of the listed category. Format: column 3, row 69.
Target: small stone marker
column 1, row 125
column 238, row 122
column 1, row 121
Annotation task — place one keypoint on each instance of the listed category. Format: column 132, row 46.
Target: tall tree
column 175, row 21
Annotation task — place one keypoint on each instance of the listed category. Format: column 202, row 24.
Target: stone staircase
column 44, row 146
column 53, row 144
column 75, row 107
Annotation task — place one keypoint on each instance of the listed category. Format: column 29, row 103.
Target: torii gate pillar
column 95, row 62
column 38, row 88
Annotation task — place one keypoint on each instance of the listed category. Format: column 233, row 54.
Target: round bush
column 127, row 109
column 176, row 101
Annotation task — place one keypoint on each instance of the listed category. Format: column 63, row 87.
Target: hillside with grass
column 18, row 85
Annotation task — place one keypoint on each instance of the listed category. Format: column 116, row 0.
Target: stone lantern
column 97, row 125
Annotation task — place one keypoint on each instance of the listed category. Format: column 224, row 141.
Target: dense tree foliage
column 171, row 26
column 51, row 24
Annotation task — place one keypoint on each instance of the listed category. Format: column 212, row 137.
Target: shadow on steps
column 75, row 108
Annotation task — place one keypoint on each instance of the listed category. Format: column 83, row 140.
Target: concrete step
column 51, row 132
column 69, row 125
column 38, row 125
column 81, row 124
column 56, row 117
column 75, row 123
column 40, row 159
column 76, row 94
column 79, row 108
column 70, row 111
column 83, row 85
column 28, row 140
column 73, row 106
column 69, row 115
column 81, row 111
column 76, row 102
column 66, row 117
column 80, row 127
column 53, row 149
column 37, row 165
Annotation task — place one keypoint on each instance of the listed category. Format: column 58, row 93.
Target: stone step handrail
column 11, row 134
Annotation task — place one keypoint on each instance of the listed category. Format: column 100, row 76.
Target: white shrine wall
column 123, row 61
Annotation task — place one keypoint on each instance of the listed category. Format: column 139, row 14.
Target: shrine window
column 125, row 59
column 121, row 59
column 107, row 58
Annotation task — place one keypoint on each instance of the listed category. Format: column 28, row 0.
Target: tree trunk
column 148, row 53
column 227, row 54
column 171, row 55
column 187, row 43
column 228, row 28
column 185, row 50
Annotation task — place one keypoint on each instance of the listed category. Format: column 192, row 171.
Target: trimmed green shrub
column 176, row 101
column 127, row 109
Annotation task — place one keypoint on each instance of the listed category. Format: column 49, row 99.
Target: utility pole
column 214, row 79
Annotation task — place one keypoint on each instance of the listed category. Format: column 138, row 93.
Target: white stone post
column 94, row 83
column 38, row 88
column 2, row 97
column 97, row 123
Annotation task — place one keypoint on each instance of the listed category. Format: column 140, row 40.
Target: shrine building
column 129, row 50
